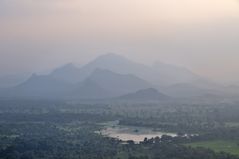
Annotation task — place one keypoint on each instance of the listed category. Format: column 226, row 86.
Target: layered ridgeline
column 159, row 73
column 110, row 76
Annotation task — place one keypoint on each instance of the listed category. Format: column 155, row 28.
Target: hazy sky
column 203, row 35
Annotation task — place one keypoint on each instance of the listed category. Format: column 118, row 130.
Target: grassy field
column 231, row 147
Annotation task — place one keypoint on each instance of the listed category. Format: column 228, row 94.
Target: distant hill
column 106, row 84
column 68, row 73
column 12, row 80
column 171, row 74
column 149, row 94
column 117, row 84
column 88, row 90
column 99, row 84
column 112, row 75
column 159, row 74
column 39, row 86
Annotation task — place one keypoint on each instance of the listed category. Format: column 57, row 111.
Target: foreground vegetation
column 231, row 147
column 59, row 130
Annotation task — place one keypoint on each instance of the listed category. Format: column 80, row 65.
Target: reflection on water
column 136, row 134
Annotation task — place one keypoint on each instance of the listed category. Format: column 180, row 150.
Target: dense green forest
column 60, row 130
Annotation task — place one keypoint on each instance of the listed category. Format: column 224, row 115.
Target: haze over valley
column 119, row 79
column 112, row 76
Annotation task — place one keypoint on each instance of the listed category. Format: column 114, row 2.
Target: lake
column 125, row 133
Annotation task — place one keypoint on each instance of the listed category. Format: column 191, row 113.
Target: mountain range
column 112, row 75
column 159, row 73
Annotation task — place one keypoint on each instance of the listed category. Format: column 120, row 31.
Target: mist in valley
column 128, row 79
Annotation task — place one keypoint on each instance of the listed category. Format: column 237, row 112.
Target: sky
column 202, row 35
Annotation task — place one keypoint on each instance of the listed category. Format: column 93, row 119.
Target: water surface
column 136, row 134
